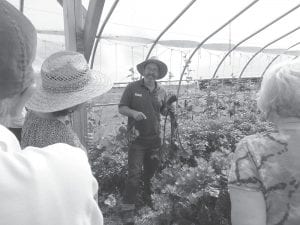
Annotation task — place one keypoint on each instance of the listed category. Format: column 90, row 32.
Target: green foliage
column 191, row 186
column 109, row 162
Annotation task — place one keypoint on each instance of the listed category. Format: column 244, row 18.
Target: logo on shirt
column 138, row 94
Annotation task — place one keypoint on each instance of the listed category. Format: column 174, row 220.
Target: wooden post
column 80, row 27
column 83, row 10
column 91, row 25
column 73, row 27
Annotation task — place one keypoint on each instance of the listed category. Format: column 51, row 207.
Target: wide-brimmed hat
column 163, row 69
column 18, row 41
column 67, row 81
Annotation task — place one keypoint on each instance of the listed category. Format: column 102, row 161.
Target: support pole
column 170, row 25
column 276, row 57
column 267, row 45
column 207, row 38
column 101, row 30
column 252, row 35
column 91, row 25
column 73, row 27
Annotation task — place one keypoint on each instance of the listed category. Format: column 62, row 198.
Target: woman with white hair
column 264, row 180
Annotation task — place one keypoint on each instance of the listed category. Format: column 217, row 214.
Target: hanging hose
column 174, row 124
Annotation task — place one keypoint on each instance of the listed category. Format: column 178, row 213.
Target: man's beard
column 150, row 76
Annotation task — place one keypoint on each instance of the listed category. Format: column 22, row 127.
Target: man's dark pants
column 143, row 161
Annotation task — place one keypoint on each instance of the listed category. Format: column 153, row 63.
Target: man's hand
column 138, row 116
column 171, row 109
column 171, row 99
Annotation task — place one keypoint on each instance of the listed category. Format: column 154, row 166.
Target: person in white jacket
column 53, row 185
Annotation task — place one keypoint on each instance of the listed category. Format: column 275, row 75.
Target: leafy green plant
column 191, row 186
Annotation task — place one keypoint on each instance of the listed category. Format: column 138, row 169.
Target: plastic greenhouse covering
column 134, row 25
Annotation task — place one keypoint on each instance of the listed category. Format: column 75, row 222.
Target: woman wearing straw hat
column 264, row 180
column 53, row 185
column 66, row 83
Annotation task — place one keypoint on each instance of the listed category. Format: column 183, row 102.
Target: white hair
column 280, row 90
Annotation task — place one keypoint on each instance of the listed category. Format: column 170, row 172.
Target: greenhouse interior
column 216, row 54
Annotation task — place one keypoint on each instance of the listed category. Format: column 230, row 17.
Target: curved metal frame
column 270, row 43
column 253, row 34
column 276, row 57
column 208, row 37
column 21, row 6
column 98, row 36
column 171, row 24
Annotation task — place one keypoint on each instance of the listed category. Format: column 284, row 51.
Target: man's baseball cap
column 18, row 40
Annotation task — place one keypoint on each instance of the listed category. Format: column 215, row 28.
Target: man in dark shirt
column 142, row 102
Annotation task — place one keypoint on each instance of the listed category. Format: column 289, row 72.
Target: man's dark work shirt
column 138, row 97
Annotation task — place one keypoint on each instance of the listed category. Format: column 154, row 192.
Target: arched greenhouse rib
column 168, row 27
column 252, row 35
column 276, row 57
column 199, row 46
column 193, row 127
column 98, row 37
column 264, row 47
column 209, row 36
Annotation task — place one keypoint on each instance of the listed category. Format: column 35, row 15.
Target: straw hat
column 18, row 41
column 66, row 81
column 163, row 69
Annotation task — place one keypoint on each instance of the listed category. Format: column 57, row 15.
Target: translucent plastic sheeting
column 134, row 25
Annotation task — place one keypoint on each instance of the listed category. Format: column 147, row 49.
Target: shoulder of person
column 58, row 177
column 132, row 86
column 161, row 89
column 134, row 83
column 8, row 141
column 254, row 138
column 59, row 151
column 60, row 158
column 259, row 145
column 159, row 85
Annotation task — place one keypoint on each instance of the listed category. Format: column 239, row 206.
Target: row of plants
column 191, row 186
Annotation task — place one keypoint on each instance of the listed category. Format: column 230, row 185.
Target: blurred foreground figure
column 264, row 181
column 38, row 186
